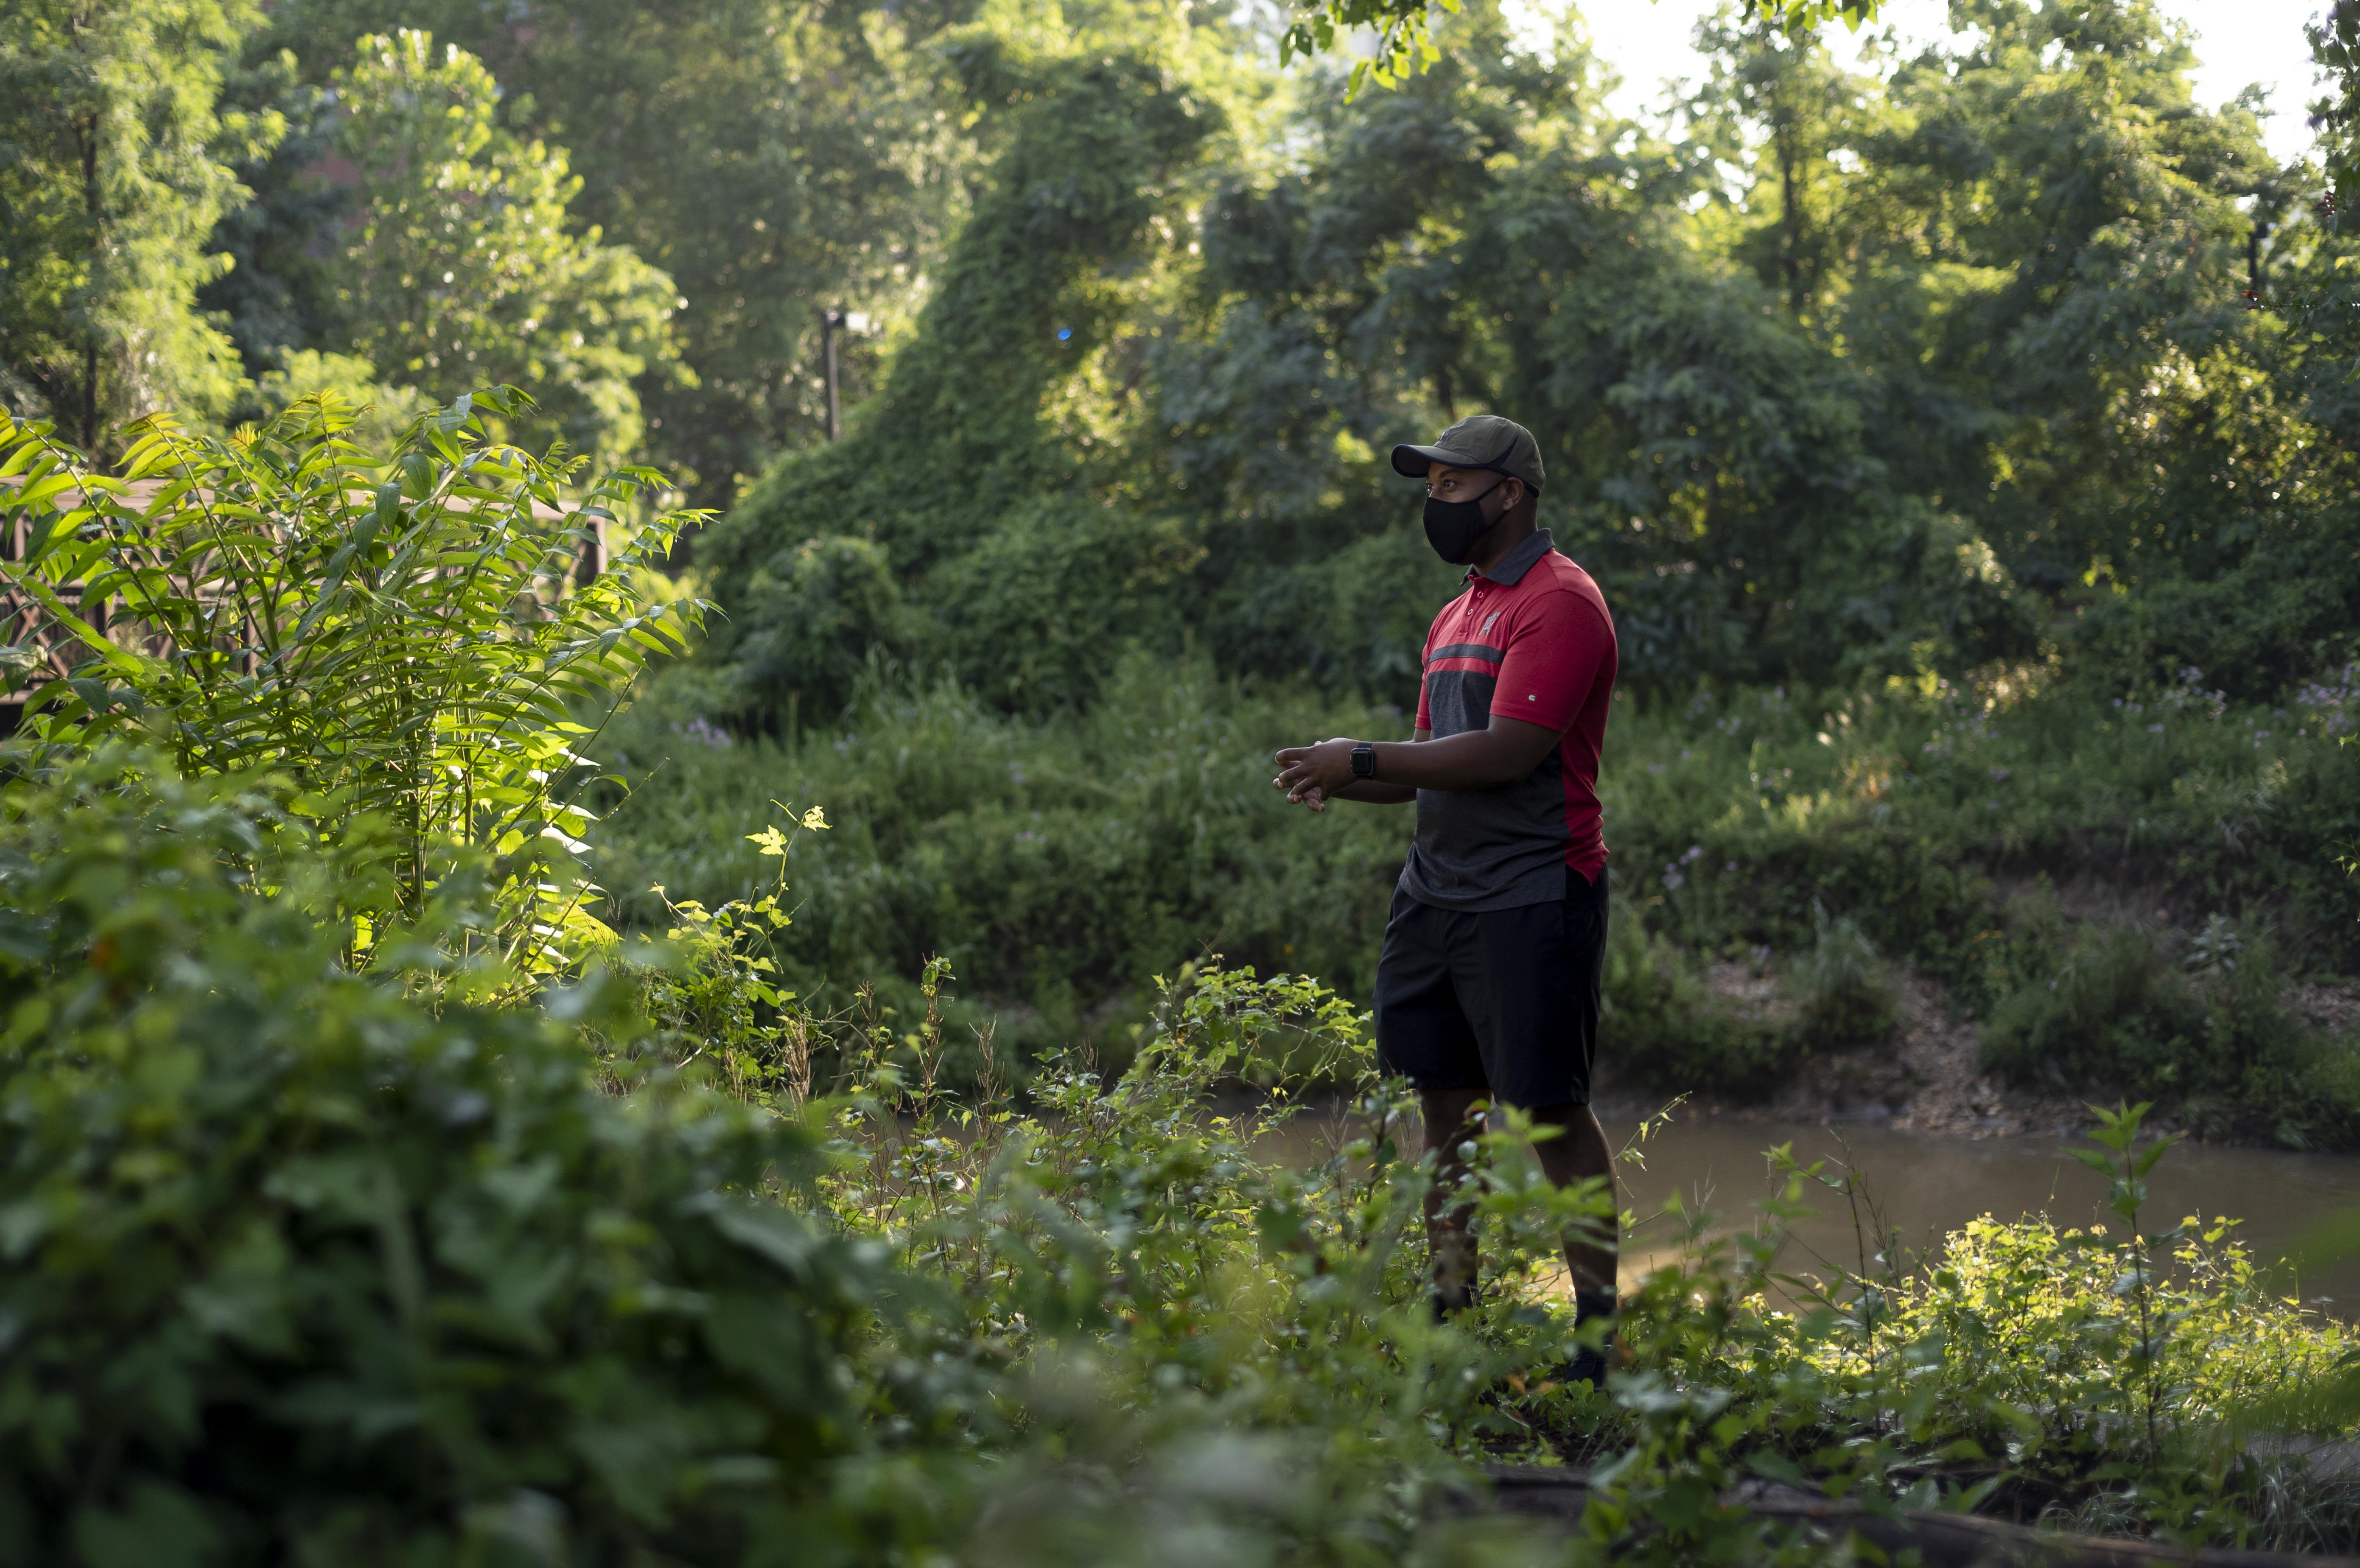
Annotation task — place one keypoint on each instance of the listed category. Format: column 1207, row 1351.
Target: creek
column 1926, row 1184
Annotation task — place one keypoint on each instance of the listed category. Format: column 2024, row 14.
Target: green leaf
column 2155, row 1151
column 161, row 1527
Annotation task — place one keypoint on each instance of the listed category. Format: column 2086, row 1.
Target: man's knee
column 1580, row 1145
column 1449, row 1113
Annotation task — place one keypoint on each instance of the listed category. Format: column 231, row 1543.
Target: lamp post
column 833, row 320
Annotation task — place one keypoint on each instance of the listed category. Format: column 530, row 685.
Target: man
column 1488, row 988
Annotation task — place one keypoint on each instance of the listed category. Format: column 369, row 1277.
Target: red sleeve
column 1551, row 662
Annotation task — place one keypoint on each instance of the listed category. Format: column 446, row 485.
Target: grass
column 1986, row 837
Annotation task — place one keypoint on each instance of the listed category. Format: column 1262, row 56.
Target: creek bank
column 1929, row 1077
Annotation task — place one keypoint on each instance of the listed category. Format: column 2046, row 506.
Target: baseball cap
column 1479, row 441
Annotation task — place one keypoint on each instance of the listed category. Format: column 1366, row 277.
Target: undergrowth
column 343, row 1266
column 1836, row 847
column 335, row 1232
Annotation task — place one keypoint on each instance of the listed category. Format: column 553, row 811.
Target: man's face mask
column 1456, row 528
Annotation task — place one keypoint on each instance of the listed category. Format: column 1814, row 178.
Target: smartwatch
column 1364, row 761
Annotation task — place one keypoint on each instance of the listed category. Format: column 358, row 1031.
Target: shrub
column 818, row 615
column 1664, row 1029
column 2052, row 1373
column 399, row 635
column 1059, row 866
column 1845, row 991
column 297, row 1270
column 1061, row 863
column 2113, row 1006
column 2210, row 1032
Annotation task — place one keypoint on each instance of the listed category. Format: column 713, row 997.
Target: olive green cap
column 1479, row 441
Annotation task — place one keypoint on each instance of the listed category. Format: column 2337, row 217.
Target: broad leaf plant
column 416, row 645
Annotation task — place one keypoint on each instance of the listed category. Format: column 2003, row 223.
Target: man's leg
column 1422, row 1035
column 1450, row 1121
column 1537, row 979
column 1577, row 1154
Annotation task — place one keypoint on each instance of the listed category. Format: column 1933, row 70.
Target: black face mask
column 1456, row 528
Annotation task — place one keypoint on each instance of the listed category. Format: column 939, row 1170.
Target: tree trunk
column 87, row 132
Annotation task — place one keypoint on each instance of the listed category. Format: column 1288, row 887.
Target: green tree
column 113, row 174
column 463, row 271
column 2054, row 227
column 286, row 244
column 994, row 459
column 775, row 157
column 1780, row 106
column 407, row 653
column 1404, row 30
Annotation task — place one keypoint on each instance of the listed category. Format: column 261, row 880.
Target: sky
column 2237, row 41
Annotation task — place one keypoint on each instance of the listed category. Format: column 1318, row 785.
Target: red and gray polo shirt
column 1531, row 638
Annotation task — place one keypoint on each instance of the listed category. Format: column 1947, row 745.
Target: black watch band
column 1364, row 761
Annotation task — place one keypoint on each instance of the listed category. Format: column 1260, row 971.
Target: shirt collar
column 1511, row 571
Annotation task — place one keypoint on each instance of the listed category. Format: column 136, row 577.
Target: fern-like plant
column 401, row 637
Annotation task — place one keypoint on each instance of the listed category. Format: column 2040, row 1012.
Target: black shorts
column 1504, row 1000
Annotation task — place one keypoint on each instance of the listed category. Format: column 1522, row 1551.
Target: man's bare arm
column 1368, row 792
column 1505, row 751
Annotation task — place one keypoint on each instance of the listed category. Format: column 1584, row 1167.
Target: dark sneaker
column 1586, row 1366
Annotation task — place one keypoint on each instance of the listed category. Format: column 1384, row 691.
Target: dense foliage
column 461, row 271
column 426, row 1250
column 1957, row 436
column 1982, row 840
column 439, row 1130
column 1914, row 381
column 301, row 1270
column 1969, row 401
column 114, row 172
column 391, row 633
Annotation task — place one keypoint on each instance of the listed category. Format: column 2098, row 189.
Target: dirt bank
column 1929, row 1079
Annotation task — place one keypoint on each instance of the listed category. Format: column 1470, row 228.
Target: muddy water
column 1929, row 1184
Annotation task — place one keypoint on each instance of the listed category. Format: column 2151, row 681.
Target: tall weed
column 399, row 634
